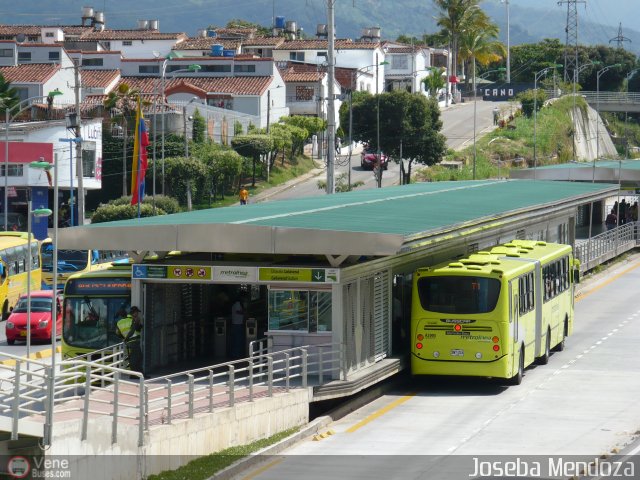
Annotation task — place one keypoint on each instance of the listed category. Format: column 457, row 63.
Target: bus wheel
column 517, row 378
column 560, row 346
column 544, row 359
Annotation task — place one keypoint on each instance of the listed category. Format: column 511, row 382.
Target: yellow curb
column 37, row 355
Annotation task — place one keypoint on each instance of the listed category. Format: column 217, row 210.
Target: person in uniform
column 130, row 329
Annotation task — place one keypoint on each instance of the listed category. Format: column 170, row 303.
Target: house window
column 127, row 43
column 106, row 45
column 148, row 69
column 22, row 92
column 92, row 62
column 16, row 170
column 54, row 56
column 88, row 159
column 48, row 34
column 297, row 56
column 24, row 56
column 399, row 62
column 6, row 52
column 211, row 68
column 244, row 68
column 304, row 94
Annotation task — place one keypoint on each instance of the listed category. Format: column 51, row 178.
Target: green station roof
column 607, row 171
column 363, row 222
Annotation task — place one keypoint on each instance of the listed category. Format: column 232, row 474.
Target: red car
column 16, row 326
column 368, row 159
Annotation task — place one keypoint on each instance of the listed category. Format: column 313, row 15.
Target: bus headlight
column 478, row 355
column 436, row 354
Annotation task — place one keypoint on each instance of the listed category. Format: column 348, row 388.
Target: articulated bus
column 93, row 304
column 493, row 313
column 14, row 253
column 71, row 262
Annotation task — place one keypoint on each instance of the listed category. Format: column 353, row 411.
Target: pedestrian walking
column 338, row 145
column 244, row 195
column 496, row 115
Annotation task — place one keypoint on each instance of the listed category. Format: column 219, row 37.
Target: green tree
column 408, row 121
column 434, row 82
column 198, row 127
column 452, row 17
column 181, row 172
column 8, row 95
column 312, row 125
column 253, row 146
column 122, row 102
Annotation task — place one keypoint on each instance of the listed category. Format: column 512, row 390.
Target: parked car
column 16, row 326
column 369, row 156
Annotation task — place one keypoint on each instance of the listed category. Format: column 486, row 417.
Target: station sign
column 306, row 275
column 172, row 272
column 236, row 274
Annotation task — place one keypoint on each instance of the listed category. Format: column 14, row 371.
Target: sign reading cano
column 307, row 275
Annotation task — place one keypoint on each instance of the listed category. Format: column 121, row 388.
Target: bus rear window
column 458, row 294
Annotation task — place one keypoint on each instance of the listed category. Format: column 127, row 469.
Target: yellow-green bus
column 93, row 304
column 14, row 250
column 71, row 262
column 494, row 312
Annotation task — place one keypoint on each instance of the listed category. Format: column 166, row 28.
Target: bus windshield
column 458, row 294
column 91, row 322
column 68, row 260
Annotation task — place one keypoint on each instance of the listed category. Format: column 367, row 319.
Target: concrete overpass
column 613, row 101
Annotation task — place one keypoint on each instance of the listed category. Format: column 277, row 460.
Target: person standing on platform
column 130, row 329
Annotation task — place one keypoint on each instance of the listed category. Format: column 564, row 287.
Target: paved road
column 457, row 123
column 585, row 402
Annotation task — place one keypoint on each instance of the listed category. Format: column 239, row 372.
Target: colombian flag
column 139, row 164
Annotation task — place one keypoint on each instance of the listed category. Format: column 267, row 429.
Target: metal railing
column 606, row 245
column 612, row 97
column 99, row 384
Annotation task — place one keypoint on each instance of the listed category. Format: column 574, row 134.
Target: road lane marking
column 607, row 282
column 380, row 412
column 262, row 469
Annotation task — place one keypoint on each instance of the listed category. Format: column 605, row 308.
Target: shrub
column 111, row 213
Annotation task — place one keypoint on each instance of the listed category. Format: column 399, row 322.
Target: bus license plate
column 457, row 353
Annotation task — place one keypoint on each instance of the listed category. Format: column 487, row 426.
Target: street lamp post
column 71, row 201
column 535, row 114
column 48, row 427
column 8, row 119
column 191, row 68
column 475, row 101
column 39, row 212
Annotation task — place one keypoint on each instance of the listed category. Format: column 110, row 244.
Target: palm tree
column 8, row 95
column 124, row 102
column 434, row 81
column 451, row 19
column 478, row 41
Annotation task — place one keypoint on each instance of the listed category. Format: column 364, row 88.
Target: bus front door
column 514, row 321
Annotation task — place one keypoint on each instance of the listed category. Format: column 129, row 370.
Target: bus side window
column 95, row 257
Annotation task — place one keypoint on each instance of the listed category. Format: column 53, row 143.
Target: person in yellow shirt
column 244, row 195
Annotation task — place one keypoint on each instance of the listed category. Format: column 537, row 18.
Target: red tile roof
column 29, row 72
column 37, row 29
column 231, row 85
column 99, row 78
column 340, row 44
column 260, row 41
column 302, row 76
column 205, row 43
column 133, row 35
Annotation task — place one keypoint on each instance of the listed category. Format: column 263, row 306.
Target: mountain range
column 530, row 20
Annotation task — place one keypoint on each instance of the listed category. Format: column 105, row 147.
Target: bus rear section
column 458, row 325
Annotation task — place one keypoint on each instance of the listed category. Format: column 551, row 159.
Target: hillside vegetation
column 511, row 145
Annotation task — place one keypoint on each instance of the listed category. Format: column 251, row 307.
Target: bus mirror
column 576, row 275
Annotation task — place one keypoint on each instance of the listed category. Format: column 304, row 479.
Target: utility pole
column 620, row 39
column 571, row 44
column 79, row 167
column 331, row 108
